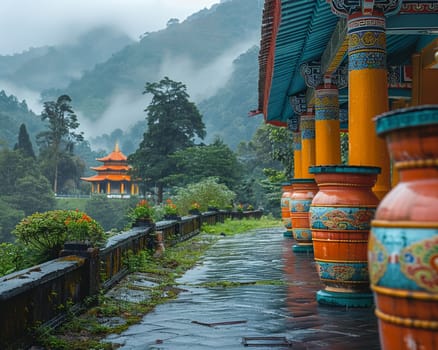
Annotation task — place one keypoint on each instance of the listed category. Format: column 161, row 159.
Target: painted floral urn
column 303, row 192
column 286, row 188
column 403, row 247
column 340, row 219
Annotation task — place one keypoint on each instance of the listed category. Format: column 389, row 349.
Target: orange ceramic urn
column 286, row 188
column 403, row 247
column 340, row 217
column 303, row 192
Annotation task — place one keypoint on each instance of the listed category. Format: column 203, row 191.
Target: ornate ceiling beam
column 336, row 48
column 343, row 8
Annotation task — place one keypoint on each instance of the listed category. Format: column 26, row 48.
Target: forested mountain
column 12, row 114
column 212, row 52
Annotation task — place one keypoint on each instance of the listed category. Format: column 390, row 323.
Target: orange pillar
column 108, row 187
column 327, row 127
column 297, row 154
column 368, row 93
column 307, row 127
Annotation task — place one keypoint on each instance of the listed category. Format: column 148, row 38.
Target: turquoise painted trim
column 302, row 248
column 406, row 118
column 302, row 181
column 401, row 258
column 341, row 218
column 345, row 299
column 344, row 169
column 287, row 234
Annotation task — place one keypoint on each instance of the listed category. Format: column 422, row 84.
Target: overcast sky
column 33, row 23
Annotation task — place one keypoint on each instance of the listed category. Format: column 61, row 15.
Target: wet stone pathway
column 270, row 304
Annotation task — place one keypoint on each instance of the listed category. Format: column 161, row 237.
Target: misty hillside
column 12, row 114
column 212, row 52
column 227, row 111
column 225, row 114
column 48, row 67
column 198, row 52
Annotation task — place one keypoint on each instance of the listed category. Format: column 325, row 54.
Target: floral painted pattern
column 419, row 263
column 343, row 272
column 300, row 206
column 341, row 218
column 377, row 259
column 302, row 234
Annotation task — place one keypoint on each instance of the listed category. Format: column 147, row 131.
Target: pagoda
column 112, row 177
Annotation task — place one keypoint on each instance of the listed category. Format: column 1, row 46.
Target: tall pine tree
column 173, row 124
column 24, row 144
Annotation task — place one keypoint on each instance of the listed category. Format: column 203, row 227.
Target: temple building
column 112, row 177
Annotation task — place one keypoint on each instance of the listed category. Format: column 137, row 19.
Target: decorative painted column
column 368, row 84
column 108, row 187
column 368, row 93
column 307, row 126
column 327, row 126
column 298, row 103
column 303, row 184
column 298, row 173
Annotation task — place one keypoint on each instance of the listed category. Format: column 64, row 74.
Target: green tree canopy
column 174, row 123
column 60, row 136
column 199, row 162
column 23, row 189
column 268, row 161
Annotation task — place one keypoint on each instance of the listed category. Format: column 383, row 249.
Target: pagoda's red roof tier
column 111, row 167
column 115, row 155
column 108, row 177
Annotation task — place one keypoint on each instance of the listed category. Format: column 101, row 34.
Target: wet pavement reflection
column 272, row 306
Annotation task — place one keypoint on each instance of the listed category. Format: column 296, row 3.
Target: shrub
column 203, row 193
column 8, row 258
column 47, row 232
column 170, row 208
column 142, row 211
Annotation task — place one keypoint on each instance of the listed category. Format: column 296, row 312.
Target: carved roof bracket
column 313, row 76
column 343, row 8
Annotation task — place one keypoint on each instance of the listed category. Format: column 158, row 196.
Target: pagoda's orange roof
column 107, row 177
column 115, row 155
column 111, row 167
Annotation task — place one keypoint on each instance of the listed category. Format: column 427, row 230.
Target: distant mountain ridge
column 51, row 67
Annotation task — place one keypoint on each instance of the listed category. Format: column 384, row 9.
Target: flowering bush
column 239, row 207
column 170, row 208
column 47, row 232
column 142, row 211
column 80, row 227
column 195, row 206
